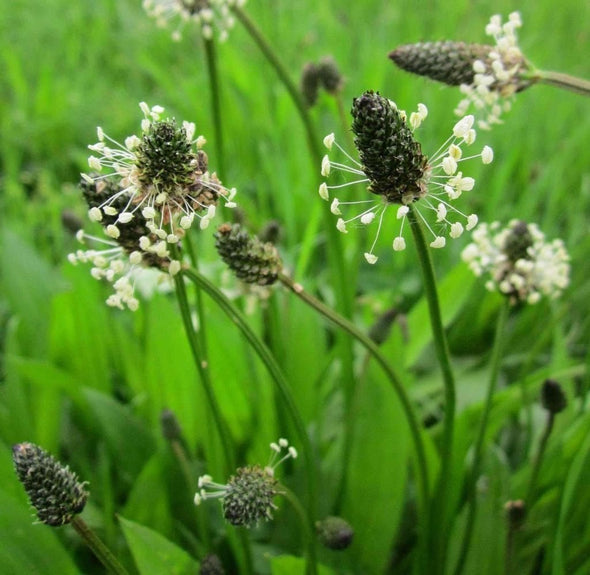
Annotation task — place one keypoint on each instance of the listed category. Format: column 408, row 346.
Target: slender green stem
column 211, row 60
column 203, row 369
column 496, row 361
column 539, row 459
column 278, row 378
column 226, row 443
column 290, row 86
column 395, row 381
column 102, row 552
column 308, row 533
column 336, row 253
column 509, row 552
column 565, row 81
column 441, row 501
column 339, row 273
column 202, row 333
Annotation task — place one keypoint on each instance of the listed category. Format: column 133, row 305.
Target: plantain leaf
column 154, row 554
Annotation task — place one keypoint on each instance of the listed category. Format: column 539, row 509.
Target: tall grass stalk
column 440, row 517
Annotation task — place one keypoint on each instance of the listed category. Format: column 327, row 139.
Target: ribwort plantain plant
column 426, row 448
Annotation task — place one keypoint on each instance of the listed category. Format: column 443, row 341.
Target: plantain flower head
column 518, row 261
column 209, row 15
column 399, row 175
column 146, row 194
column 247, row 499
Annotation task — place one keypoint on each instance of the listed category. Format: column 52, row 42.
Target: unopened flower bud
column 171, row 429
column 515, row 513
column 553, row 397
column 334, row 533
column 71, row 221
column 54, row 491
column 310, row 84
column 211, row 565
column 271, row 232
column 381, row 328
column 329, row 75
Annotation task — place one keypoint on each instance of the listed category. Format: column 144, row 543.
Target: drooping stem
column 278, row 379
column 496, row 361
column 312, row 141
column 564, row 81
column 441, row 503
column 241, row 544
column 373, row 349
column 215, row 94
column 102, row 552
column 203, row 370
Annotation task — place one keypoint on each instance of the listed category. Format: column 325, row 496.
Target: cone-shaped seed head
column 390, row 156
column 164, row 156
column 250, row 259
column 54, row 491
column 448, row 62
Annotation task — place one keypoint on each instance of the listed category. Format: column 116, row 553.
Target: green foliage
column 154, row 554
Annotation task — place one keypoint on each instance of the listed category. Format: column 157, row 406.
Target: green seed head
column 252, row 261
column 165, row 158
column 249, row 496
column 54, row 491
column 335, row 533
